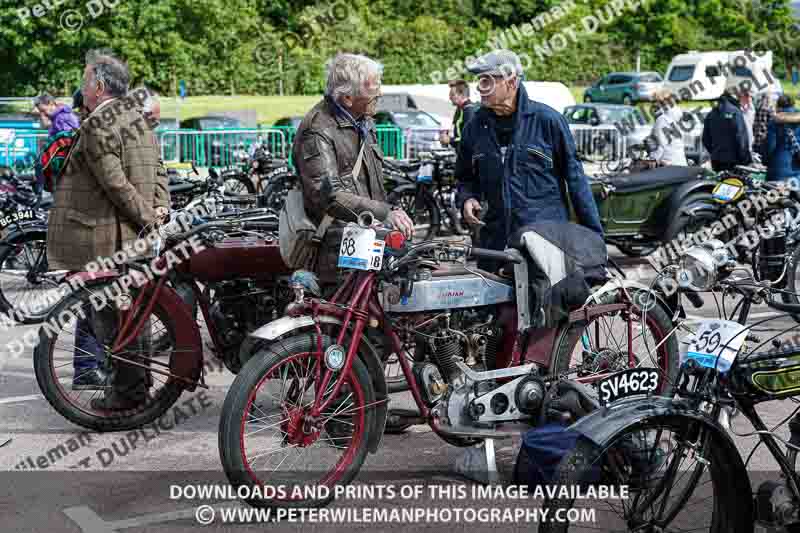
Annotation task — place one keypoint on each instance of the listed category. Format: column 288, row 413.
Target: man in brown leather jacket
column 325, row 151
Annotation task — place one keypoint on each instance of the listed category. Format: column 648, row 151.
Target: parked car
column 293, row 122
column 622, row 118
column 624, row 88
column 19, row 144
column 167, row 140
column 214, row 149
column 420, row 129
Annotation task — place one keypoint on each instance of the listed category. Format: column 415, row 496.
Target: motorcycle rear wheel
column 602, row 343
column 54, row 352
column 427, row 220
column 28, row 292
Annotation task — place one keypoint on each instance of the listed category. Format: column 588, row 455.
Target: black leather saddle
column 654, row 178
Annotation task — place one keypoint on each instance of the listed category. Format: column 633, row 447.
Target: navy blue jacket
column 725, row 134
column 781, row 162
column 530, row 186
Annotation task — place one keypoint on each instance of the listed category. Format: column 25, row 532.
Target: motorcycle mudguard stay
column 605, row 424
column 368, row 355
column 188, row 342
column 671, row 208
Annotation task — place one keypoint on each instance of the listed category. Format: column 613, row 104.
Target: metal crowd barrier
column 599, row 143
column 217, row 148
column 418, row 140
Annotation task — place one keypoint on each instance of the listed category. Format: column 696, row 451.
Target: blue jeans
column 86, row 343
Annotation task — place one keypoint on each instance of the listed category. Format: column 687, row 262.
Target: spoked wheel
column 237, row 186
column 28, row 292
column 587, row 352
column 268, row 437
column 679, row 478
column 86, row 382
column 423, row 213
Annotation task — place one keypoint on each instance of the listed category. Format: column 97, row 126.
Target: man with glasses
column 326, row 149
column 518, row 155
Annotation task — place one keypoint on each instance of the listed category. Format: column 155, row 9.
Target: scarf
column 360, row 125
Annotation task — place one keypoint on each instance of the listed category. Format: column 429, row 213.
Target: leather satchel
column 299, row 237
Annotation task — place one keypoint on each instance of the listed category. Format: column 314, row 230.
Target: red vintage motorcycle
column 306, row 409
column 238, row 281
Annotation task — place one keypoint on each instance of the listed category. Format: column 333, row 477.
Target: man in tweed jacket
column 105, row 198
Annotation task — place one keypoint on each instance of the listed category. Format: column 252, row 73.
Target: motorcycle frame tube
column 360, row 306
column 365, row 306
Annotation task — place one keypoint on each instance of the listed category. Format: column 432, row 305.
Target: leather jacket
column 325, row 150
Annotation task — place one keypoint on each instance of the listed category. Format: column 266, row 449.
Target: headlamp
column 699, row 265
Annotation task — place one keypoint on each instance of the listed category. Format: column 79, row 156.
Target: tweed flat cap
column 497, row 63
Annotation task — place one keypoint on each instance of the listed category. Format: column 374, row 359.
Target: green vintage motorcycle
column 642, row 210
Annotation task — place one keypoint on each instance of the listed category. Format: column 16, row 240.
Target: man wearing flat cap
column 518, row 155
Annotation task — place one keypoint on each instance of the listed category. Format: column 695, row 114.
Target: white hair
column 349, row 73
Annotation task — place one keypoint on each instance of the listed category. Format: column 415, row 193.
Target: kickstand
column 491, row 463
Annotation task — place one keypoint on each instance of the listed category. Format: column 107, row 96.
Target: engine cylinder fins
column 490, row 349
column 446, row 350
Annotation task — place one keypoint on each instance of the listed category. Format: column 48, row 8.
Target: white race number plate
column 715, row 344
column 628, row 382
column 360, row 250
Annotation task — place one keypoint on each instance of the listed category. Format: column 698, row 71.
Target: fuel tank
column 452, row 292
column 237, row 257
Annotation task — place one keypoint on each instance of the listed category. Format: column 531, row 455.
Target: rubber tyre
column 792, row 265
column 657, row 317
column 733, row 515
column 680, row 223
column 244, row 180
column 167, row 396
column 5, row 305
column 430, row 206
column 237, row 400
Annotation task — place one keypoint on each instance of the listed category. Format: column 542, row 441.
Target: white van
column 702, row 75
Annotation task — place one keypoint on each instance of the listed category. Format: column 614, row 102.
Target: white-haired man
column 326, row 149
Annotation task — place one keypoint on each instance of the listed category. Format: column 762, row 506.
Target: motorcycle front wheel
column 267, row 438
column 28, row 292
column 678, row 478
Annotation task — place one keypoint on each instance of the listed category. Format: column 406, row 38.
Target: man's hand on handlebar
column 400, row 220
column 471, row 209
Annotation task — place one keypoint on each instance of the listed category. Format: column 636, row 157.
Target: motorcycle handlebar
column 494, row 254
column 780, row 306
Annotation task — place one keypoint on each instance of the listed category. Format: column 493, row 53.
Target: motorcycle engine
column 775, row 505
column 473, row 338
column 239, row 307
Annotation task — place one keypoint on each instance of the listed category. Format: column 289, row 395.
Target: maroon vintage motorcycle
column 238, row 281
column 306, row 408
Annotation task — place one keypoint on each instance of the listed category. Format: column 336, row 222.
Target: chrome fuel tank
column 451, row 292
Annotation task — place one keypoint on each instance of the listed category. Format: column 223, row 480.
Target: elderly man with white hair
column 339, row 160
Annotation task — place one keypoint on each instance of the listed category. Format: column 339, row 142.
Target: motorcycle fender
column 605, row 424
column 24, row 231
column 630, row 285
column 369, row 356
column 673, row 205
column 189, row 364
column 411, row 186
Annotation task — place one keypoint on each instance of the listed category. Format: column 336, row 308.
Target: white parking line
column 91, row 522
column 18, row 399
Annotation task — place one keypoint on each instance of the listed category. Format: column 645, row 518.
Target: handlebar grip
column 494, row 254
column 780, row 306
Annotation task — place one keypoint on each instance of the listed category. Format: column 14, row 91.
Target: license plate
column 629, row 382
column 360, row 249
column 725, row 192
column 715, row 344
column 17, row 216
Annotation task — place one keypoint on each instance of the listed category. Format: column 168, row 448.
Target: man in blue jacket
column 725, row 134
column 519, row 155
